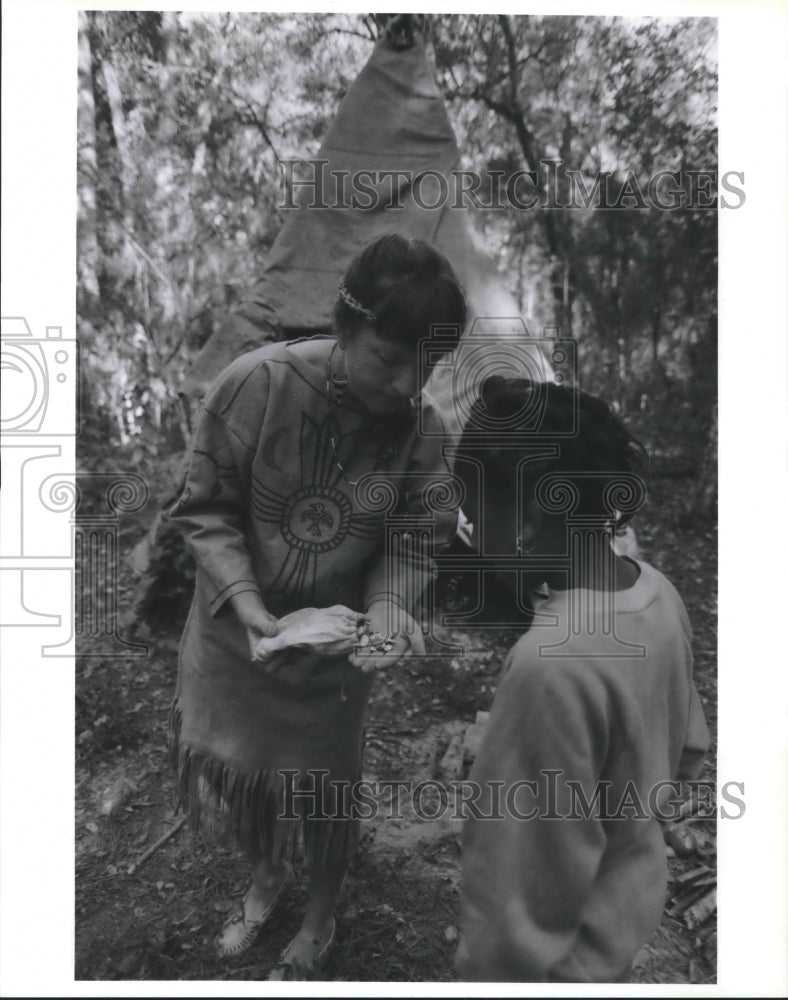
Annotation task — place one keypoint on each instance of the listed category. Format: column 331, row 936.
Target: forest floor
column 397, row 917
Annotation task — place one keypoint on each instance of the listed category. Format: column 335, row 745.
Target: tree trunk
column 566, row 316
column 623, row 359
column 168, row 120
column 704, row 499
column 87, row 168
column 118, row 117
column 656, row 318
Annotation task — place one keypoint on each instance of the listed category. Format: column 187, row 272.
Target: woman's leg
column 241, row 927
column 267, row 879
column 317, row 926
column 325, row 885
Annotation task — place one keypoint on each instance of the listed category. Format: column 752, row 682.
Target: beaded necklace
column 339, row 385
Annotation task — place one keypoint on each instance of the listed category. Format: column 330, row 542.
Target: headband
column 354, row 304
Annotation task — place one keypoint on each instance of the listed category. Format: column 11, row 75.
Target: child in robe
column 596, row 719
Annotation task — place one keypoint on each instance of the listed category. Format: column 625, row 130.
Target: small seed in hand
column 364, row 640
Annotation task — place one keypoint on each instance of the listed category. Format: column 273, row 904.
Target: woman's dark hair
column 588, row 435
column 407, row 285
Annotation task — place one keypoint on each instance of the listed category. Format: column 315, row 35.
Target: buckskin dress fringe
column 266, row 508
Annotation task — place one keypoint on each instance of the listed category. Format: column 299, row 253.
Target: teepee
column 392, row 125
column 392, row 122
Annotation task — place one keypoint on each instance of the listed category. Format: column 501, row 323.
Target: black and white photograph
column 379, row 461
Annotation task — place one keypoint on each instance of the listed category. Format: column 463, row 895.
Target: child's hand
column 393, row 635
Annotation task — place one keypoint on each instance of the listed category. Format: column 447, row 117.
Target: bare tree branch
column 349, row 31
column 251, row 118
column 370, row 26
column 511, row 58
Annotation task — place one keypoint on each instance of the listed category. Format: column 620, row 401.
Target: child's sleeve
column 404, row 566
column 213, row 508
column 527, row 876
column 696, row 742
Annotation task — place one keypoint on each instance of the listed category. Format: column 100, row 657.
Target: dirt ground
column 398, row 914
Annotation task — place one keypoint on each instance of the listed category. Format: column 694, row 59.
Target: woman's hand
column 464, row 529
column 258, row 622
column 398, row 629
column 330, row 631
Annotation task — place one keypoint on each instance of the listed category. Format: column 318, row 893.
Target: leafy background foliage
column 184, row 117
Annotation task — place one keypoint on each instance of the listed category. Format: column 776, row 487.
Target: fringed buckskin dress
column 269, row 506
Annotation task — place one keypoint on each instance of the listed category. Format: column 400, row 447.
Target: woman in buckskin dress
column 302, row 450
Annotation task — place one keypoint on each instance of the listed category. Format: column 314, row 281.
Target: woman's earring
column 524, row 550
column 340, row 384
